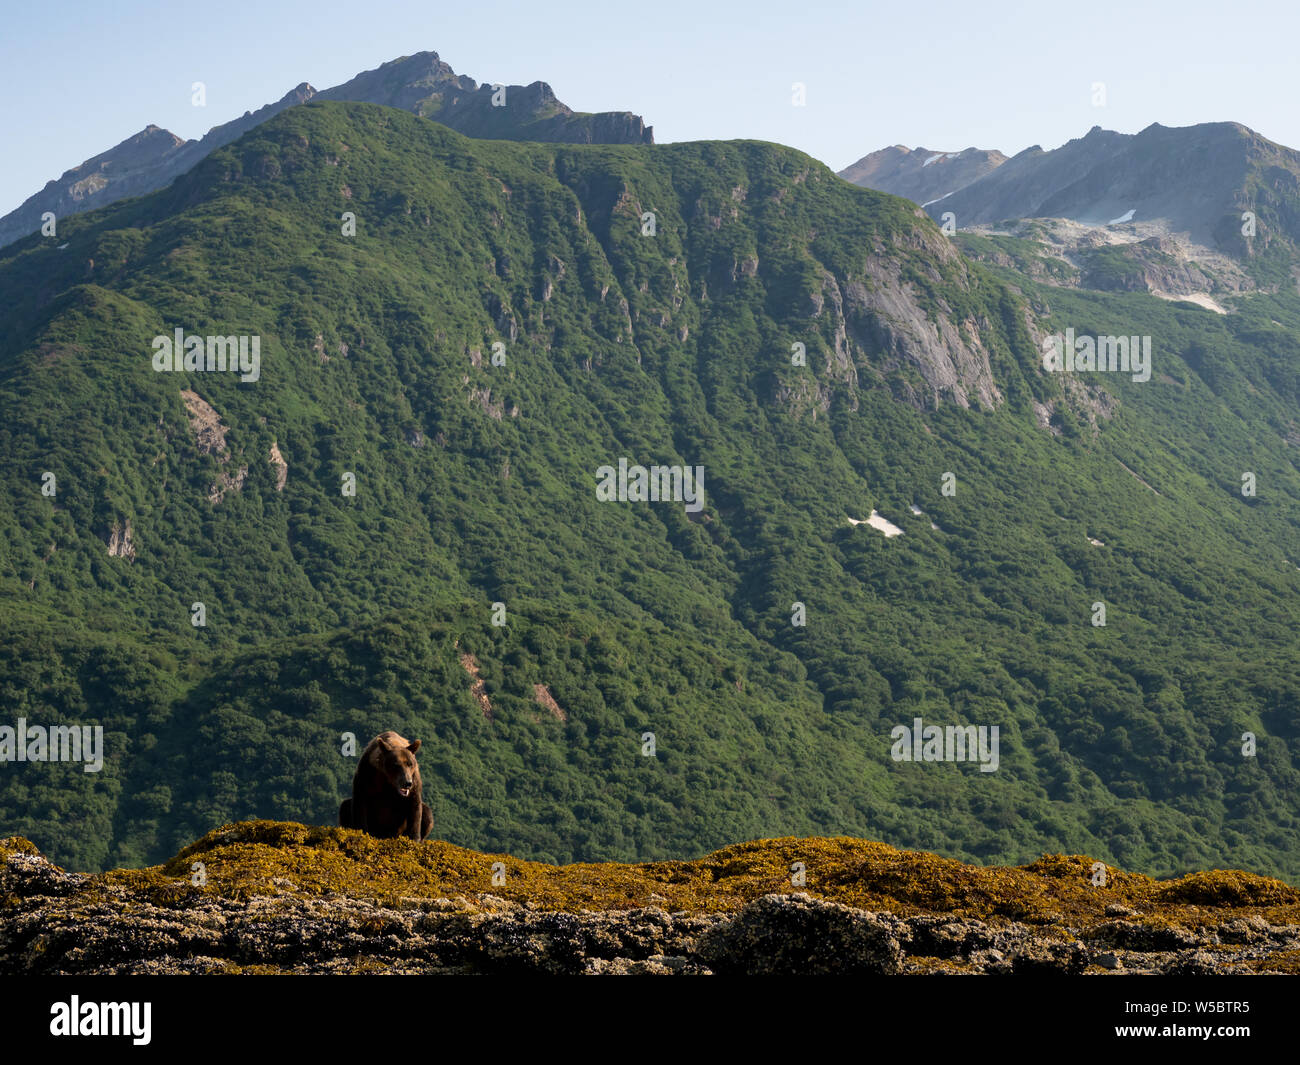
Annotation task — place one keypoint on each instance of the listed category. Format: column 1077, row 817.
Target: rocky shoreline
column 135, row 922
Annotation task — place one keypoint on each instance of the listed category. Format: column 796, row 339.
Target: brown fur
column 377, row 805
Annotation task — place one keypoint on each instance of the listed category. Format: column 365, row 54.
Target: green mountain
column 355, row 519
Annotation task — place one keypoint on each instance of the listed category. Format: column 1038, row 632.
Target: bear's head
column 397, row 761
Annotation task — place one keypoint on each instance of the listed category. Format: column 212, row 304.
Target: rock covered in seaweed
column 267, row 897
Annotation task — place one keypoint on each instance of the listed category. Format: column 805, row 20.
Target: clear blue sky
column 78, row 77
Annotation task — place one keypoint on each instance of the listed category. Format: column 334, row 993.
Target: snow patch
column 877, row 522
column 916, row 510
column 1201, row 299
column 932, row 159
column 943, row 197
column 1127, row 216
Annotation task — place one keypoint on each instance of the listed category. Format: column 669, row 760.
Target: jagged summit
column 424, row 84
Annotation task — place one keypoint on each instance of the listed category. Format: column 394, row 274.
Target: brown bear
column 387, row 796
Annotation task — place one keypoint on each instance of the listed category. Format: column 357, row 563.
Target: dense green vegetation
column 475, row 484
column 1025, row 254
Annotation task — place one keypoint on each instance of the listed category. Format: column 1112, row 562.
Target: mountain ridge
column 1199, row 181
column 1206, row 211
column 147, row 160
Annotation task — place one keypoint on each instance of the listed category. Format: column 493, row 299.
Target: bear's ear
column 413, row 746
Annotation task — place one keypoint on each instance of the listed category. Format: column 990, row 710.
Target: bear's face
column 399, row 766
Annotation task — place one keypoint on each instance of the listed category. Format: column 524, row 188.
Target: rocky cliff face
column 262, row 897
column 421, row 83
column 885, row 315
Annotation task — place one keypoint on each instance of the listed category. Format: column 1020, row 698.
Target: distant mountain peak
column 921, row 174
column 1191, row 180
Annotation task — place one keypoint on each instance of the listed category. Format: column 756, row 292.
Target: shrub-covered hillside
column 349, row 519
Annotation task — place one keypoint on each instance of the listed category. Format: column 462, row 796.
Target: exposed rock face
column 891, row 320
column 119, row 540
column 881, row 324
column 277, row 460
column 210, row 438
column 478, row 689
column 261, row 908
column 227, row 482
column 782, row 934
column 140, row 164
column 1155, row 264
column 886, row 316
column 150, row 160
column 1132, row 257
column 545, row 699
column 422, row 83
column 209, row 431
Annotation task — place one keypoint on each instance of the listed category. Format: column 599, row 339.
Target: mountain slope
column 475, row 484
